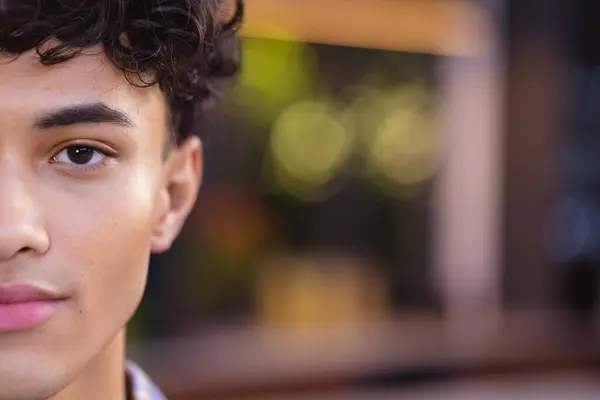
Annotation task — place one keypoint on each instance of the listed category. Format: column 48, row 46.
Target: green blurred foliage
column 275, row 73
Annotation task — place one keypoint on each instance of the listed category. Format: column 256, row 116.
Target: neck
column 103, row 378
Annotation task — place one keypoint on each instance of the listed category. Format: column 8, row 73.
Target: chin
column 29, row 393
column 28, row 376
column 43, row 388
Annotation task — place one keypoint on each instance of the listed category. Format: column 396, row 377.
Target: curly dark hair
column 184, row 46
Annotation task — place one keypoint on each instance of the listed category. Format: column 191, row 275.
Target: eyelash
column 106, row 153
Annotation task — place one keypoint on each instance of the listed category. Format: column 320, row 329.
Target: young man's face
column 86, row 194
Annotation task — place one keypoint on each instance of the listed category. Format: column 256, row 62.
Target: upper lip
column 13, row 293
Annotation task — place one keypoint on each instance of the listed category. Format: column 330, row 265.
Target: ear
column 182, row 176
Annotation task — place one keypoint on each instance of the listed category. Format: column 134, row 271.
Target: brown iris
column 80, row 154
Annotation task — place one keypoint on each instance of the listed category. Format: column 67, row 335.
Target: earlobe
column 162, row 237
column 180, row 188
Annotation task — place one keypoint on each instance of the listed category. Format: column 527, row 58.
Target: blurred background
column 401, row 199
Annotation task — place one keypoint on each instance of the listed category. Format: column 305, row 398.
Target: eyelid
column 98, row 146
column 109, row 155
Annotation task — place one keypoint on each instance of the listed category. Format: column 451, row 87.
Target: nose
column 21, row 226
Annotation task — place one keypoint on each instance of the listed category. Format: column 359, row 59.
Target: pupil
column 80, row 155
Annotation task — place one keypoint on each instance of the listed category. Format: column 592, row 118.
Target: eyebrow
column 94, row 113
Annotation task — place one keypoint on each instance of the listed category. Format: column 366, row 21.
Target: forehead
column 28, row 87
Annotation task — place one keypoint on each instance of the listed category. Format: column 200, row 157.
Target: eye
column 80, row 155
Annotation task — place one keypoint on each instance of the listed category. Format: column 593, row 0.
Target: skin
column 85, row 232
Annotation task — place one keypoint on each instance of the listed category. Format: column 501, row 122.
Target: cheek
column 103, row 236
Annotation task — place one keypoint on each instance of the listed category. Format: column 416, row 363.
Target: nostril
column 21, row 237
column 25, row 250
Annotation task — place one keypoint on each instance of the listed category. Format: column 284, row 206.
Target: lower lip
column 20, row 316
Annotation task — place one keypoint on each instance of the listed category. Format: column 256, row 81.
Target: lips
column 21, row 293
column 25, row 306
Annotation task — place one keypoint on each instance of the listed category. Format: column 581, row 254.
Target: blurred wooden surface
column 225, row 363
column 572, row 386
column 444, row 27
